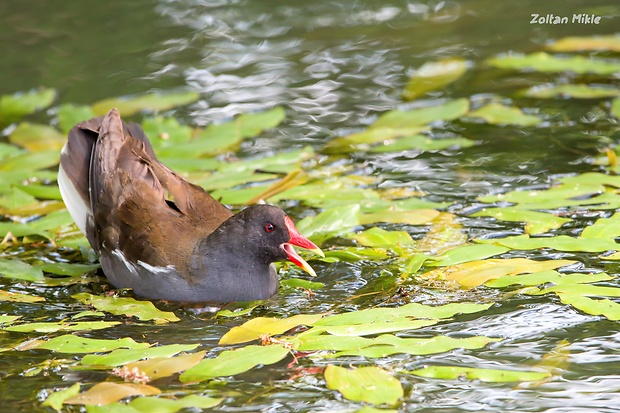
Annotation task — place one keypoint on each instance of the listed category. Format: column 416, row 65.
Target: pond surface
column 335, row 67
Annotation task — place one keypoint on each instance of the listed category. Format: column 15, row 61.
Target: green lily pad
column 544, row 62
column 8, row 319
column 301, row 283
column 547, row 277
column 558, row 243
column 579, row 43
column 535, row 222
column 130, row 105
column 51, row 327
column 159, row 367
column 466, row 253
column 41, row 191
column 31, row 161
column 143, row 310
column 17, row 269
column 124, row 356
column 485, row 375
column 603, row 228
column 232, row 362
column 69, row 115
column 379, row 238
column 37, row 138
column 330, row 223
column 365, row 384
column 434, row 75
column 13, row 107
column 56, row 399
column 615, row 107
column 150, row 404
column 164, row 132
column 605, row 307
column 70, row 343
column 69, row 269
column 422, row 143
column 498, row 114
column 571, row 91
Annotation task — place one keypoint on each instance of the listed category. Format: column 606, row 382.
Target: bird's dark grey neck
column 230, row 273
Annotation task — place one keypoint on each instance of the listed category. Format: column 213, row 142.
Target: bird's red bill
column 300, row 241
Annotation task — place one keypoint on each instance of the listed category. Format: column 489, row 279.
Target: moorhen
column 160, row 235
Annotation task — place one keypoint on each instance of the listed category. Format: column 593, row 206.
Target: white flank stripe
column 131, row 267
column 76, row 206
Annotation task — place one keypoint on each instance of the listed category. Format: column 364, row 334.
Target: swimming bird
column 160, row 235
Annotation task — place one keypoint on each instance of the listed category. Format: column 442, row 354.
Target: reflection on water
column 335, row 66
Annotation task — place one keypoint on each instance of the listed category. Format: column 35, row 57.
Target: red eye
column 269, row 227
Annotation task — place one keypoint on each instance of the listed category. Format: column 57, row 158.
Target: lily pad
column 434, row 75
column 56, row 399
column 124, row 356
column 605, row 307
column 17, row 269
column 158, row 405
column 365, row 384
column 69, row 115
column 544, row 62
column 253, row 329
column 330, row 223
column 571, row 91
column 485, row 375
column 107, row 392
column 551, row 277
column 422, row 143
column 498, row 114
column 19, row 297
column 143, row 310
column 37, row 138
column 535, row 222
column 232, row 362
column 69, row 343
column 130, row 105
column 465, row 253
column 378, row 237
column 159, row 367
column 51, row 327
column 558, row 243
column 579, row 43
column 13, row 107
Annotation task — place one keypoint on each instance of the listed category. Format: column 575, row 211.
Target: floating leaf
column 17, row 269
column 558, row 243
column 128, row 106
column 422, row 143
column 434, row 75
column 51, row 327
column 330, row 223
column 365, row 384
column 56, row 399
column 124, row 356
column 378, row 237
column 232, row 362
column 465, row 253
column 69, row 269
column 544, row 62
column 412, row 217
column 160, row 405
column 571, row 91
column 615, row 107
column 574, row 289
column 158, row 367
column 604, row 307
column 603, row 228
column 474, row 273
column 377, row 327
column 547, row 277
column 485, row 375
column 165, row 132
column 301, row 283
column 127, row 306
column 19, row 298
column 69, row 343
column 577, row 43
column 498, row 114
column 388, row 344
column 41, row 191
column 108, row 392
column 37, row 137
column 408, row 311
column 253, row 329
column 535, row 222
column 8, row 319
column 70, row 115
column 13, row 107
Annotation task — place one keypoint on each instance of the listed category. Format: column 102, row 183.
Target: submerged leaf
column 365, row 384
column 485, row 375
column 143, row 310
column 434, row 75
column 232, row 362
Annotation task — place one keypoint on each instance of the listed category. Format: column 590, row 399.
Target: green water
column 334, row 66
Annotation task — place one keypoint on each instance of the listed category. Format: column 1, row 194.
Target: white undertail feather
column 73, row 201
